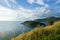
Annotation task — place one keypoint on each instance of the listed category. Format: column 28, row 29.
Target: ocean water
column 9, row 29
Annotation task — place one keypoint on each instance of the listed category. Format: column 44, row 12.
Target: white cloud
column 7, row 2
column 20, row 14
column 30, row 1
column 40, row 2
column 7, row 14
column 36, row 1
column 48, row 11
column 58, row 1
column 25, row 14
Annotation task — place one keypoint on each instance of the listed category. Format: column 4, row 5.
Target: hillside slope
column 44, row 22
column 42, row 33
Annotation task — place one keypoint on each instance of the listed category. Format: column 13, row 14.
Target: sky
column 22, row 10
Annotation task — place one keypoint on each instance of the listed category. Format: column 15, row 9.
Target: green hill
column 51, row 32
column 42, row 22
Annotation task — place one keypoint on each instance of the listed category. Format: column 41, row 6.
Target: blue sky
column 14, row 10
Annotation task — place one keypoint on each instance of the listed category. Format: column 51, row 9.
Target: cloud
column 36, row 1
column 22, row 14
column 58, row 1
column 30, row 1
column 5, row 2
column 9, row 3
column 7, row 14
column 14, row 1
column 25, row 14
column 40, row 2
column 48, row 10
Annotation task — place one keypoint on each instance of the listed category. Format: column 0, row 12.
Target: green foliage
column 42, row 33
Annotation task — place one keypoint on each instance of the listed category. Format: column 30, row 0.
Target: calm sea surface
column 10, row 29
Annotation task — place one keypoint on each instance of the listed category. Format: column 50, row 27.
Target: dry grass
column 42, row 33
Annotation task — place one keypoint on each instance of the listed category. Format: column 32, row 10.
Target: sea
column 10, row 29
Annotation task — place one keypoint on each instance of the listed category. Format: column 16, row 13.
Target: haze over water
column 12, row 28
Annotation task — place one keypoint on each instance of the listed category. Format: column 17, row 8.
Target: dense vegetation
column 51, row 32
column 41, row 22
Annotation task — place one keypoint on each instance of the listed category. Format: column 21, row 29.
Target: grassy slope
column 42, row 33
